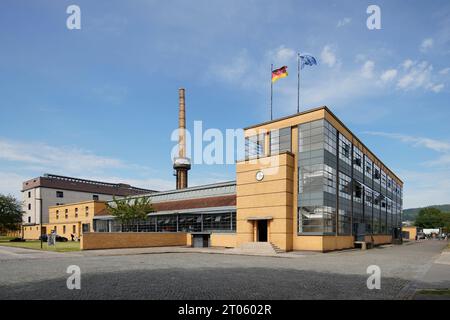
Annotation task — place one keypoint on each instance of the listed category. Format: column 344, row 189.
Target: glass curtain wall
column 340, row 187
column 217, row 222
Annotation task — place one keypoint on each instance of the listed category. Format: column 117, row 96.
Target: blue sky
column 101, row 102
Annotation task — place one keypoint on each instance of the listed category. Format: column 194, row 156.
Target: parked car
column 61, row 239
column 58, row 238
column 421, row 235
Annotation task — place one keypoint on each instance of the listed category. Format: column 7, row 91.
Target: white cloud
column 443, row 160
column 426, row 44
column 407, row 64
column 437, row 88
column 388, row 75
column 11, row 183
column 70, row 159
column 418, row 75
column 343, row 22
column 424, row 188
column 283, row 54
column 431, row 185
column 367, row 69
column 444, row 71
column 328, row 56
column 234, row 71
column 432, row 144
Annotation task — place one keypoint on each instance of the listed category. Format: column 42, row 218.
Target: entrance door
column 262, row 230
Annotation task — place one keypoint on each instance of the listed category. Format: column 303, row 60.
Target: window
column 368, row 167
column 29, row 219
column 95, row 197
column 357, row 159
column 59, row 194
column 167, row 223
column 87, row 211
column 330, row 138
column 29, row 206
column 254, row 146
column 329, row 175
column 383, row 179
column 64, row 229
column 76, row 212
column 29, row 194
column 368, row 197
column 217, row 222
column 280, row 140
column 86, row 227
column 357, row 192
column 389, row 184
column 74, row 229
column 376, row 173
column 317, row 219
column 190, row 223
column 345, row 148
column 344, row 186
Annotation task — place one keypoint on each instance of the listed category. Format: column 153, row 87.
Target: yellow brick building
column 73, row 218
column 308, row 183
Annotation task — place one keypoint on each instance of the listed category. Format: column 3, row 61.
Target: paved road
column 339, row 275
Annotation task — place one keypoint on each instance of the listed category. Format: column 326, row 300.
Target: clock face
column 259, row 175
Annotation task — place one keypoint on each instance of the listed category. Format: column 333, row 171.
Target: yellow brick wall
column 76, row 215
column 116, row 240
column 81, row 212
column 378, row 239
column 412, row 232
column 16, row 234
column 31, row 232
column 223, row 240
column 271, row 197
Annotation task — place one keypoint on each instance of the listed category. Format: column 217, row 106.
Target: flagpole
column 298, row 82
column 271, row 92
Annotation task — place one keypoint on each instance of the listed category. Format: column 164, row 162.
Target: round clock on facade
column 259, row 175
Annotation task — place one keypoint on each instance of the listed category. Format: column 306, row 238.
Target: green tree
column 430, row 218
column 446, row 221
column 129, row 209
column 10, row 213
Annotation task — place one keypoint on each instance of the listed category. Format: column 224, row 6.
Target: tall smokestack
column 182, row 124
column 181, row 164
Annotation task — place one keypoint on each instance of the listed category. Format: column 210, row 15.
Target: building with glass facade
column 306, row 183
column 315, row 186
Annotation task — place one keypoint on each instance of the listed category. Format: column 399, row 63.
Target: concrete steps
column 277, row 250
column 262, row 248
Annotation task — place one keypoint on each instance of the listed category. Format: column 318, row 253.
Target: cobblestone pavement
column 338, row 275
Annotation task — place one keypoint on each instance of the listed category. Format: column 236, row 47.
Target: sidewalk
column 436, row 280
column 175, row 249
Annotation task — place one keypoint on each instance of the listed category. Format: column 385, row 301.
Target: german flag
column 279, row 73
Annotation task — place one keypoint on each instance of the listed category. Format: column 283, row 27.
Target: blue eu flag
column 307, row 60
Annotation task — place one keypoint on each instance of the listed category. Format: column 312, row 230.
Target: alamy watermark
column 374, row 20
column 73, row 22
column 214, row 146
column 374, row 280
column 74, row 280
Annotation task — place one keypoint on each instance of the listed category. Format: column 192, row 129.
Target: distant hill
column 411, row 214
